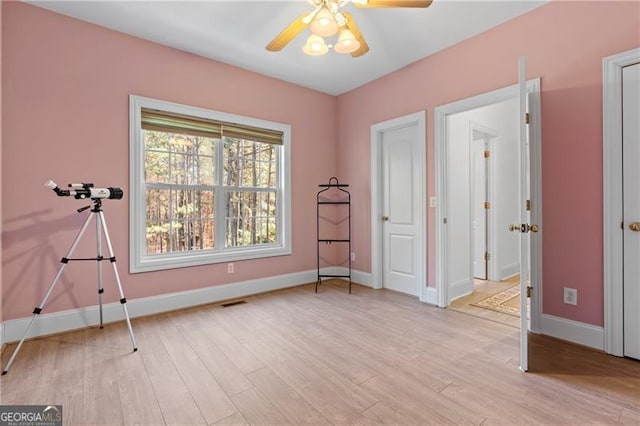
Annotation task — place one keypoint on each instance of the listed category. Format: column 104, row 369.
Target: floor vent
column 229, row 304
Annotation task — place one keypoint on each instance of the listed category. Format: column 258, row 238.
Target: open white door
column 525, row 228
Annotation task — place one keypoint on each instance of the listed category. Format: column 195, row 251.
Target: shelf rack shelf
column 340, row 197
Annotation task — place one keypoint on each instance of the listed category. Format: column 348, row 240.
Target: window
column 206, row 186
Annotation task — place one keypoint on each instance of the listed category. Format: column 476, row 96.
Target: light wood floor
column 295, row 357
column 482, row 290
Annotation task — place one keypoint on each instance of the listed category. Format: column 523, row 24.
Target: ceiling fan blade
column 392, row 3
column 351, row 25
column 288, row 34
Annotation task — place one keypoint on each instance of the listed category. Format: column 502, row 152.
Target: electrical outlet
column 353, row 256
column 230, row 268
column 570, row 296
column 432, row 201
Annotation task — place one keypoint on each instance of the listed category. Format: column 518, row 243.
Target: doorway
column 489, row 135
column 398, row 210
column 482, row 141
column 454, row 226
column 621, row 108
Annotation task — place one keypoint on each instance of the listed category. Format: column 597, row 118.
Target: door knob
column 385, row 218
column 635, row 226
column 525, row 227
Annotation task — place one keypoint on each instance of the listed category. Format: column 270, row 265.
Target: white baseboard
column 460, row 288
column 359, row 277
column 509, row 271
column 62, row 321
column 12, row 330
column 363, row 278
column 573, row 331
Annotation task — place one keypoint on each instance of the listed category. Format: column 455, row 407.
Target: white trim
column 441, row 115
column 419, row 119
column 460, row 289
column 442, row 243
column 431, row 296
column 490, row 231
column 139, row 261
column 572, row 331
column 357, row 277
column 612, row 202
column 535, row 179
column 62, row 321
column 509, row 270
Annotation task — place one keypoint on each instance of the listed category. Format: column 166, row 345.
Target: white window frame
column 139, row 261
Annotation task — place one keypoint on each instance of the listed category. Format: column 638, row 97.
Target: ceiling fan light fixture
column 324, row 24
column 315, row 46
column 347, row 42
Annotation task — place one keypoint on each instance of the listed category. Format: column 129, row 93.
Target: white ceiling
column 236, row 32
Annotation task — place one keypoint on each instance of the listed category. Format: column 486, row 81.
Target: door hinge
column 487, row 256
column 487, row 153
column 487, row 205
column 529, row 291
column 528, row 205
column 527, row 118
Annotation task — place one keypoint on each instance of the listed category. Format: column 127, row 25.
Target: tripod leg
column 99, row 258
column 123, row 300
column 38, row 309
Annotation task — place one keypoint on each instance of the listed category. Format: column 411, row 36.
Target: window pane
column 157, row 205
column 251, row 218
column 249, row 164
column 157, row 237
column 156, row 166
column 179, row 220
column 156, row 140
column 179, row 159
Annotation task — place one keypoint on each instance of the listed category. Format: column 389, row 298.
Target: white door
column 631, row 208
column 480, row 210
column 401, row 183
column 525, row 259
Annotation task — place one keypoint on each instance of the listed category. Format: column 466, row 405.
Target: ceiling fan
column 326, row 20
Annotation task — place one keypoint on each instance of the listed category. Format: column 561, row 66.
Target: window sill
column 185, row 260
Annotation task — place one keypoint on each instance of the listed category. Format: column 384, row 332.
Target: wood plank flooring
column 295, row 357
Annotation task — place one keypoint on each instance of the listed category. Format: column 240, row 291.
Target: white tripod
column 101, row 225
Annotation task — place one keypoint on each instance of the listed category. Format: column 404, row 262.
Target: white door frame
column 419, row 119
column 441, row 115
column 491, row 193
column 612, row 181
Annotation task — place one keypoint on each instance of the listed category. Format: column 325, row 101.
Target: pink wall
column 66, row 86
column 564, row 43
column 1, row 132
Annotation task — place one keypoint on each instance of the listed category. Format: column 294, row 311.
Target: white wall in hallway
column 503, row 118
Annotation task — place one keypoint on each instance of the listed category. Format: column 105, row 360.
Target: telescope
column 80, row 191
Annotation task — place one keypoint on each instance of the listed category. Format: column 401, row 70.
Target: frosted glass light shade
column 347, row 42
column 324, row 24
column 315, row 46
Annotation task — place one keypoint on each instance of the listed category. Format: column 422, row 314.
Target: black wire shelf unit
column 334, row 194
